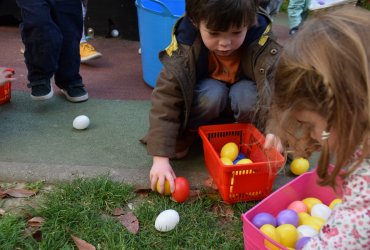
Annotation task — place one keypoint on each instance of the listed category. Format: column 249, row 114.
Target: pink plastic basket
column 300, row 188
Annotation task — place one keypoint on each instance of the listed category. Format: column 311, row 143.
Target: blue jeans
column 297, row 12
column 214, row 100
column 51, row 32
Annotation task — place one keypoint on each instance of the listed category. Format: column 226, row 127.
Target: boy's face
column 223, row 43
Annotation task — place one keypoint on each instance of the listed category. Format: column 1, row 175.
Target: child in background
column 323, row 86
column 297, row 14
column 51, row 33
column 5, row 76
column 216, row 69
column 87, row 51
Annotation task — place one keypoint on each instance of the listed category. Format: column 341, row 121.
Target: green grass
column 83, row 208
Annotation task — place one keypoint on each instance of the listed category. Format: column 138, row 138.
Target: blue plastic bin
column 156, row 20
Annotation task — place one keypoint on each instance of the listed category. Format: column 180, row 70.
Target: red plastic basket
column 302, row 187
column 243, row 182
column 5, row 91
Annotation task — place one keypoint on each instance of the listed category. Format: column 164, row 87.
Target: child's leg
column 67, row 77
column 209, row 101
column 296, row 8
column 42, row 39
column 84, row 10
column 243, row 99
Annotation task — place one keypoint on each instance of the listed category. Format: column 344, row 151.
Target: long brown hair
column 325, row 69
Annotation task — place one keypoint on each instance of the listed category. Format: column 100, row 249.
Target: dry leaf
column 37, row 235
column 225, row 212
column 20, row 193
column 229, row 212
column 130, row 221
column 210, row 183
column 34, row 233
column 81, row 244
column 2, row 193
column 143, row 191
column 118, row 211
column 194, row 195
column 35, row 221
column 2, row 211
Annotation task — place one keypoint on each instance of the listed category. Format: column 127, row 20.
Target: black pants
column 51, row 32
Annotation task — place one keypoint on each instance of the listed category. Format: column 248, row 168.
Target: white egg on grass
column 167, row 220
column 81, row 122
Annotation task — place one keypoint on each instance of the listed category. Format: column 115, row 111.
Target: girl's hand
column 161, row 171
column 5, row 76
column 273, row 141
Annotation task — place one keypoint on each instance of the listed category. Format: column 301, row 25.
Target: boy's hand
column 161, row 170
column 5, row 76
column 273, row 141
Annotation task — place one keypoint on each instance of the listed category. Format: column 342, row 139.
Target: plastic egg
column 230, row 150
column 321, row 211
column 306, row 231
column 298, row 206
column 226, row 161
column 239, row 157
column 81, row 122
column 167, row 187
column 310, row 202
column 261, row 219
column 301, row 242
column 314, row 222
column 272, row 233
column 114, row 33
column 299, row 166
column 244, row 161
column 167, row 220
column 334, row 203
column 287, row 216
column 302, row 216
column 288, row 235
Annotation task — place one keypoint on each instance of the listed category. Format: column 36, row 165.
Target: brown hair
column 220, row 15
column 325, row 69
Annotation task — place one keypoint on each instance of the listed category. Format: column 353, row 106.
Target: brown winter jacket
column 185, row 61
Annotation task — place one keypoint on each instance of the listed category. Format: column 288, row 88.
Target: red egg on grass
column 182, row 190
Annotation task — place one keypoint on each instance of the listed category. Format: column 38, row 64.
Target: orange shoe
column 88, row 52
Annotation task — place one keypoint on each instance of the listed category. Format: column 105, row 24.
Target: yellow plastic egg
column 302, row 216
column 288, row 235
column 167, row 188
column 335, row 202
column 244, row 161
column 310, row 202
column 299, row 166
column 226, row 161
column 230, row 150
column 271, row 232
column 314, row 222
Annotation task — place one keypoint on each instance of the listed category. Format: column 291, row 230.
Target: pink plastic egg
column 298, row 206
column 287, row 216
column 261, row 219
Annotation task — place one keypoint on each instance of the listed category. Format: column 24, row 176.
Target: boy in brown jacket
column 218, row 66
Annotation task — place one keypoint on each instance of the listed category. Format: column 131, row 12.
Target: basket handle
column 166, row 11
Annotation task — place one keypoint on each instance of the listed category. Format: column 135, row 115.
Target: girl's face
column 222, row 43
column 316, row 124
